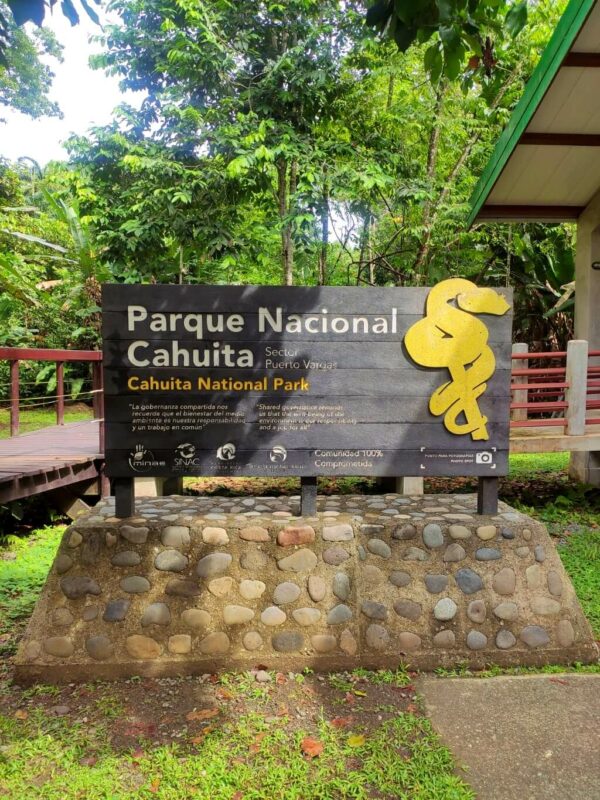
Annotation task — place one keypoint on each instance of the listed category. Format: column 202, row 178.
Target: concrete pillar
column 409, row 486
column 520, row 395
column 157, row 487
column 585, row 466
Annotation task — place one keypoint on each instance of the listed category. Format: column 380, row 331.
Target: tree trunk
column 432, row 155
column 433, row 208
column 282, row 202
column 323, row 252
column 390, row 94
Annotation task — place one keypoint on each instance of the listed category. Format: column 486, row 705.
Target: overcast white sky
column 87, row 97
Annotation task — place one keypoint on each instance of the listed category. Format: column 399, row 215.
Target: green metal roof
column 562, row 40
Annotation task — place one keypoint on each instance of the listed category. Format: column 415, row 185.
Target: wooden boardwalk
column 49, row 459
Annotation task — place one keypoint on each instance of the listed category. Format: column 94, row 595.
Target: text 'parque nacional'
column 142, row 353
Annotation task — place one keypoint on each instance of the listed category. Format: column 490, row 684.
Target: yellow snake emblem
column 450, row 336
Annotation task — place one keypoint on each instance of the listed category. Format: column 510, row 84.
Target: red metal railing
column 545, row 396
column 542, row 395
column 15, row 355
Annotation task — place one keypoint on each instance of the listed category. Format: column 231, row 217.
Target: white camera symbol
column 484, row 458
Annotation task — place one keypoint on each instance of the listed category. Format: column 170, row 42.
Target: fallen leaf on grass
column 280, row 678
column 202, row 736
column 255, row 746
column 283, row 711
column 411, row 708
column 408, row 688
column 356, row 740
column 146, row 729
column 137, row 754
column 238, row 796
column 154, row 785
column 21, row 714
column 358, row 693
column 341, row 722
column 224, row 694
column 350, row 699
column 311, row 747
column 88, row 761
column 204, row 713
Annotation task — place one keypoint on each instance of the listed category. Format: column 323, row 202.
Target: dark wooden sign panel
column 230, row 380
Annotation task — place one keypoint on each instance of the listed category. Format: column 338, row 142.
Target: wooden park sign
column 282, row 381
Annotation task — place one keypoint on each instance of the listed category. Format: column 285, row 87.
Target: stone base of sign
column 195, row 585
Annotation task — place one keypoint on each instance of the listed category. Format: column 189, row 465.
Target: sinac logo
column 186, row 451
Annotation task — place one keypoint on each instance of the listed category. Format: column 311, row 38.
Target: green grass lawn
column 231, row 738
column 35, row 418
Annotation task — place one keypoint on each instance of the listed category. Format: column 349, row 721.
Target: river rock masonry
column 195, row 585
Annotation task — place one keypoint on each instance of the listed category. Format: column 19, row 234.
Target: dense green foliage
column 291, row 146
column 25, row 77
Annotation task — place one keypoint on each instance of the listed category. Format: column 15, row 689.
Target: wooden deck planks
column 48, row 459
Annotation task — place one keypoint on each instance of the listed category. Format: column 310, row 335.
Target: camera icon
column 484, row 458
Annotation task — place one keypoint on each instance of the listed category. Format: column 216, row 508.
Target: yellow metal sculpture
column 450, row 336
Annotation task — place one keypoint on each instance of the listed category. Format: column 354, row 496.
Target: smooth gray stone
column 339, row 615
column 116, row 610
column 182, row 588
column 400, row 578
column 436, row 583
column 60, row 646
column 126, row 558
column 404, row 532
column 287, row 641
column 505, row 640
column 338, row 533
column 377, row 637
column 176, row 536
column 379, row 548
column 335, row 555
column 171, row 561
column 99, row 647
column 505, row 581
column 445, row 609
column 468, row 581
column 156, row 614
column 507, row 533
column 507, row 611
column 476, row 611
column 135, row 535
column 63, row 563
column 75, row 586
column 408, row 609
column 214, row 564
column 539, row 553
column 135, row 584
column 286, row 592
column 476, row 640
column 341, row 585
column 374, row 610
column 487, row 554
column 415, row 554
column 453, row 553
column 317, row 588
column 433, row 536
column 303, row 560
column 535, row 636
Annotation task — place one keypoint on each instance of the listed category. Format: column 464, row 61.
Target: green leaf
column 404, row 37
column 434, row 62
column 378, row 14
column 516, row 18
column 445, row 8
